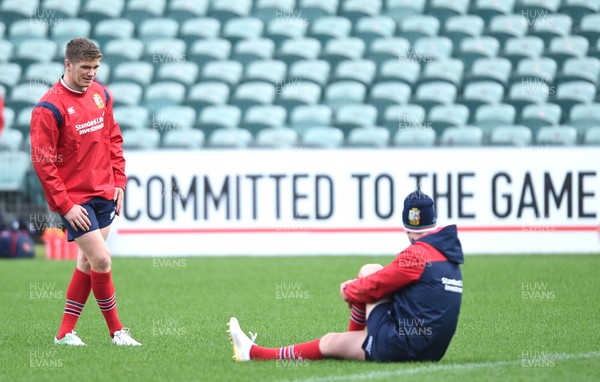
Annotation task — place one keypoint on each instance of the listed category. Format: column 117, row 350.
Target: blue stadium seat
column 579, row 9
column 11, row 140
column 164, row 93
column 402, row 9
column 139, row 72
column 552, row 26
column 184, row 10
column 351, row 48
column 140, row 10
column 252, row 94
column 457, row 28
column 490, row 116
column 370, row 29
column 145, row 139
column 204, row 51
column 225, row 10
column 244, row 28
column 541, row 69
column 511, row 135
column 565, row 48
column 434, row 93
column 183, row 139
column 473, row 49
column 535, row 10
column 462, row 136
column 407, row 71
column 324, row 137
column 126, row 93
column 268, row 10
column 215, row 117
column 350, row 116
column 183, row 72
column 443, row 116
column 590, row 28
column 330, row 28
column 122, row 50
column 286, row 28
column 227, row 72
column 207, row 93
column 293, row 50
column 477, row 94
column 345, row 92
column 488, row 9
column 231, row 138
column 70, row 28
column 414, row 137
column 171, row 118
column 445, row 9
column 314, row 9
column 164, row 50
column 294, row 94
column 584, row 117
column 97, row 11
column 506, row 27
column 155, row 28
column 261, row 117
column 417, row 27
column 580, row 69
column 384, row 49
column 517, row 49
column 385, row 94
column 539, row 115
column 277, row 137
column 592, row 137
column 16, row 10
column 433, row 48
column 316, row 71
column 107, row 30
column 46, row 73
column 25, row 95
column 569, row 94
column 408, row 116
column 271, row 71
column 361, row 70
column 247, row 51
column 357, row 9
column 310, row 116
column 522, row 94
column 131, row 117
column 369, row 136
column 447, row 70
column 26, row 29
column 557, row 136
column 10, row 73
column 194, row 29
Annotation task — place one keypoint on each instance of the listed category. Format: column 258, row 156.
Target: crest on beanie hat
column 419, row 212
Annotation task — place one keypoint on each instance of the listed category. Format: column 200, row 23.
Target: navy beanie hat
column 419, row 213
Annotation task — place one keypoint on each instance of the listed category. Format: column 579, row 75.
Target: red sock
column 307, row 350
column 77, row 295
column 358, row 319
column 104, row 291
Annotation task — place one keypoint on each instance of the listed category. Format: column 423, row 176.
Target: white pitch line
column 433, row 368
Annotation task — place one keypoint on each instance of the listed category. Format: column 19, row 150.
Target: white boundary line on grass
column 433, row 368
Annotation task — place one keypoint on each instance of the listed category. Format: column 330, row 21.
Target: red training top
column 76, row 146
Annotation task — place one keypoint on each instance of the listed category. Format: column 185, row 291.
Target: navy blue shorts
column 383, row 342
column 101, row 213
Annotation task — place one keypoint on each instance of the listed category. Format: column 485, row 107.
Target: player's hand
column 343, row 294
column 78, row 218
column 119, row 194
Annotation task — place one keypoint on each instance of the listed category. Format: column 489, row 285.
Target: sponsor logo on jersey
column 71, row 110
column 90, row 126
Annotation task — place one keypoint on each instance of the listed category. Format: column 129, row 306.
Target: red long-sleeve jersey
column 76, row 146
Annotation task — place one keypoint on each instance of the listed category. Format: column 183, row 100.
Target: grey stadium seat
column 144, row 139
column 126, row 93
column 401, row 9
column 10, row 74
column 443, row 116
column 329, row 28
column 592, row 136
column 183, row 139
column 419, row 26
column 157, row 28
column 164, row 93
column 345, row 92
column 225, row 71
column 215, row 117
column 230, row 138
column 557, row 136
column 244, row 28
column 183, row 10
column 207, row 93
column 369, row 136
column 263, row 116
column 225, row 10
column 277, row 137
column 185, row 72
column 491, row 116
column 351, row 48
column 316, row 71
column 271, row 71
column 462, row 136
column 354, row 115
column 11, row 140
column 511, row 135
column 326, row 137
column 96, row 11
column 131, row 117
column 139, row 72
column 457, row 28
column 107, row 30
column 414, row 137
column 199, row 28
column 310, row 116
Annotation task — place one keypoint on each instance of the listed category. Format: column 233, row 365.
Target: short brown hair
column 80, row 49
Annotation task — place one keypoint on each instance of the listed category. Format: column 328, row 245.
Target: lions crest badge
column 414, row 216
column 99, row 101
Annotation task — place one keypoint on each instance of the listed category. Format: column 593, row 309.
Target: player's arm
column 44, row 157
column 405, row 269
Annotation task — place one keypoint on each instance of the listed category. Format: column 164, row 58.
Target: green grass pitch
column 523, row 318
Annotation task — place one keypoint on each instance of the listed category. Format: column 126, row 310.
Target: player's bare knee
column 101, row 262
column 368, row 269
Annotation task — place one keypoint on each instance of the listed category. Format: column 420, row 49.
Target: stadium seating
column 274, row 69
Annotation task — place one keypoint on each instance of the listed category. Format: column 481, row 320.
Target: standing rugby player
column 79, row 161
